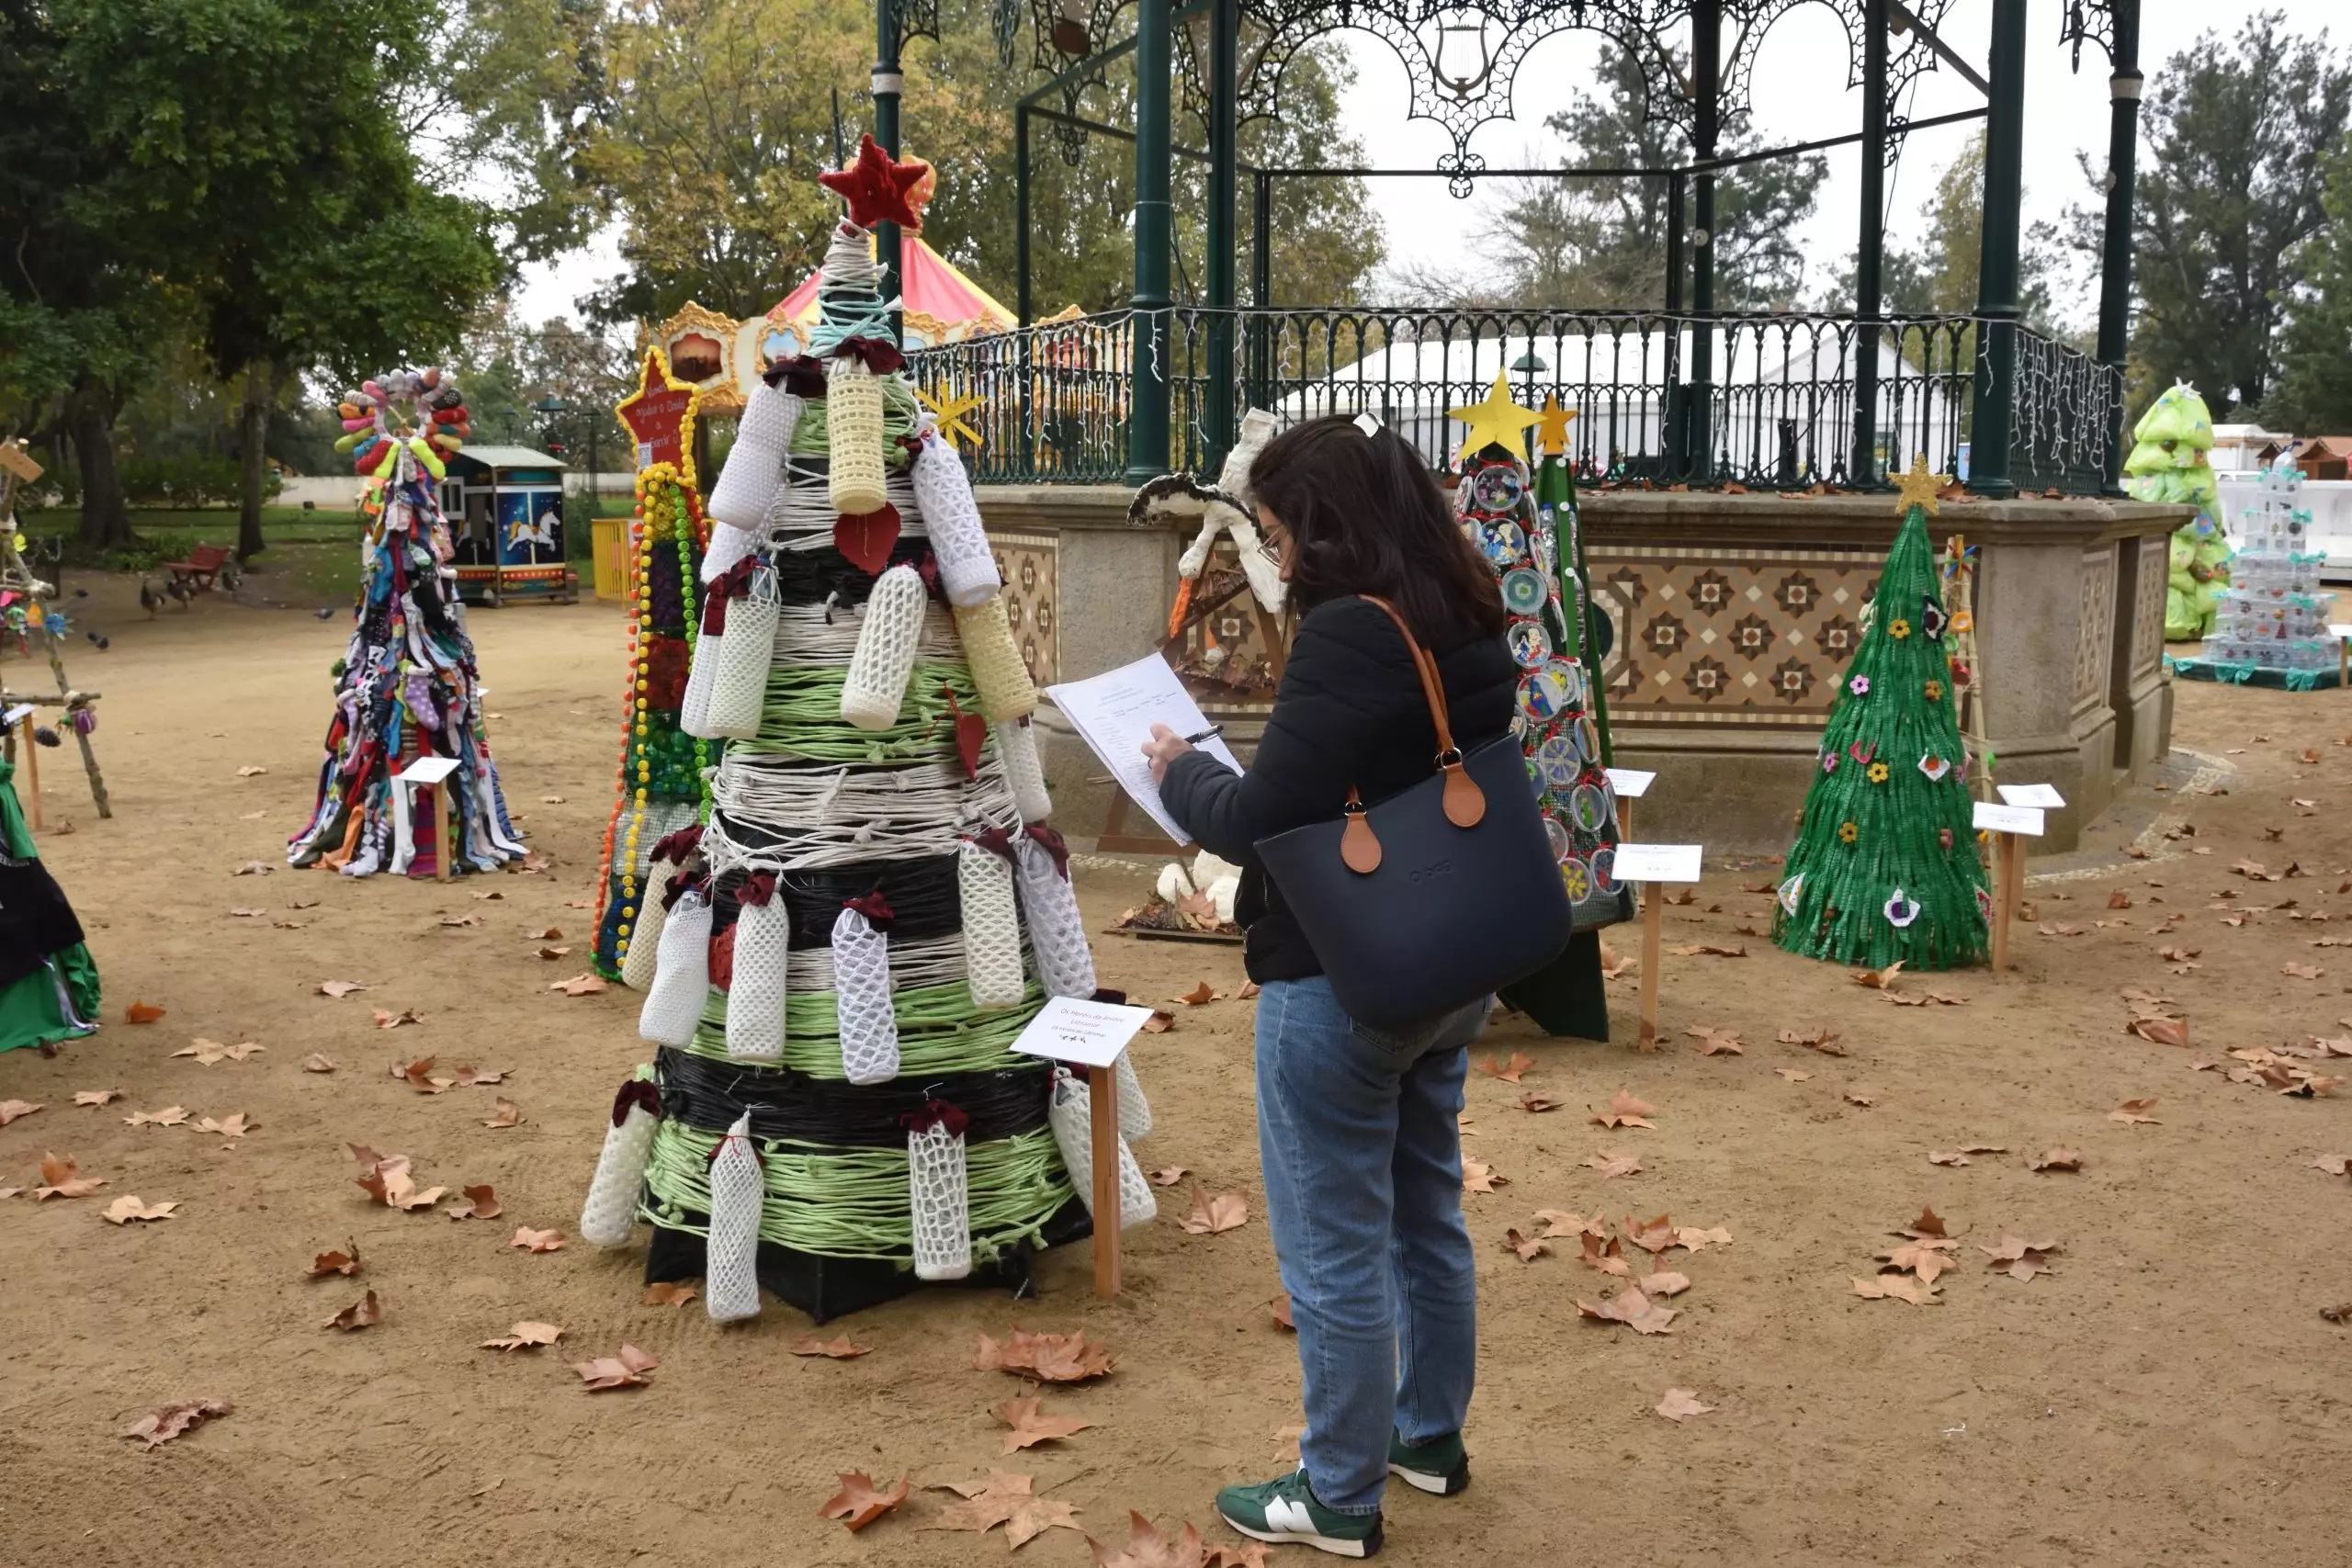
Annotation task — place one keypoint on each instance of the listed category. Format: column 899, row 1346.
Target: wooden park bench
column 203, row 564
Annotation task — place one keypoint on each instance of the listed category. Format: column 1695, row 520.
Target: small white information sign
column 2340, row 630
column 15, row 716
column 429, row 769
column 2044, row 797
column 1657, row 862
column 1995, row 819
column 1068, row 1029
column 1630, row 783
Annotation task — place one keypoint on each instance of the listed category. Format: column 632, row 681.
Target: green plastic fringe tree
column 1884, row 867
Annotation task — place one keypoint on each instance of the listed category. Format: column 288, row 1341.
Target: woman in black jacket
column 1358, row 1128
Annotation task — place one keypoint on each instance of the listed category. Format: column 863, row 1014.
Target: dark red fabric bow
column 936, row 1113
column 1052, row 846
column 878, row 354
column 757, row 890
column 996, row 841
column 675, row 847
column 874, row 908
column 798, row 375
column 750, row 1143
column 636, row 1092
column 722, row 958
column 680, row 885
column 735, row 582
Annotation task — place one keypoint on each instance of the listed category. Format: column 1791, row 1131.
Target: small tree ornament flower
column 1847, row 832
column 1934, row 691
column 1860, row 685
column 1898, row 628
column 1877, row 773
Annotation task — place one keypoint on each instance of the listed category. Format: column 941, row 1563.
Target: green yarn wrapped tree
column 1884, row 867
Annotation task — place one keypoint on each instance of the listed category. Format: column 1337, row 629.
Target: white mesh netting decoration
column 1049, row 909
column 755, row 465
column 967, row 565
column 853, row 436
column 755, row 995
column 1135, row 1110
column 875, row 686
column 992, row 927
column 1006, row 691
column 730, row 1285
column 938, row 1196
column 681, row 986
column 738, row 691
column 693, row 708
column 1016, row 742
column 642, row 956
column 610, row 1212
column 869, row 1030
column 1074, row 1135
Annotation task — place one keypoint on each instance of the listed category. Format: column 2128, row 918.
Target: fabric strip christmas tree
column 1885, row 866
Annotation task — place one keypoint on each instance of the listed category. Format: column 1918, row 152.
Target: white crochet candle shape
column 853, row 436
column 1067, row 1114
column 991, row 924
column 938, row 1193
column 642, row 956
column 610, row 1213
column 1135, row 1110
column 1049, row 909
column 875, row 687
column 681, row 986
column 755, row 997
column 693, row 708
column 738, row 691
column 869, row 1030
column 754, row 464
column 1016, row 743
column 730, row 1285
column 1006, row 691
column 952, row 515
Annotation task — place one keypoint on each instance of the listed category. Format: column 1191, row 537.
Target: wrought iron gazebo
column 1684, row 393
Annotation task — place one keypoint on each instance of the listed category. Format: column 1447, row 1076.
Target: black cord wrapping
column 924, row 894
column 709, row 1095
column 810, row 577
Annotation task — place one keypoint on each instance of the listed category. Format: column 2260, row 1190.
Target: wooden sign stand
column 1103, row 1111
column 1648, row 866
column 31, row 752
column 1653, row 922
column 2009, row 826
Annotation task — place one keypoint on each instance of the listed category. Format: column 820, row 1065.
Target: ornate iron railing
column 1759, row 400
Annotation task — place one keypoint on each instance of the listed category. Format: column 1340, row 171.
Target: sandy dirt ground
column 2170, row 1395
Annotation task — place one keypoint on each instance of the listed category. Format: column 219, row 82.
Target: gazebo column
column 2115, row 255
column 1870, row 249
column 1996, row 292
column 1707, row 131
column 1148, row 379
column 1225, row 158
column 888, row 83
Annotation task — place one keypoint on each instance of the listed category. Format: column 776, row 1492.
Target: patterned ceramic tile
column 2095, row 628
column 1033, row 598
column 2148, row 605
column 1755, row 637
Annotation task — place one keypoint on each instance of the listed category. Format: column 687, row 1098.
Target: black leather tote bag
column 1424, row 902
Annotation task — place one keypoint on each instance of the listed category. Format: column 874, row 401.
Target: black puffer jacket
column 1350, row 711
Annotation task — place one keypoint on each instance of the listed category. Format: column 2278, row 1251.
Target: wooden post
column 1653, row 924
column 1625, row 820
column 440, row 833
column 2009, row 861
column 31, row 752
column 2343, row 663
column 1103, row 1103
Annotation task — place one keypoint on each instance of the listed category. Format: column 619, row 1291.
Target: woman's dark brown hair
column 1366, row 516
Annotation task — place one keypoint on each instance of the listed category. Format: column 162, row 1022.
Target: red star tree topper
column 879, row 190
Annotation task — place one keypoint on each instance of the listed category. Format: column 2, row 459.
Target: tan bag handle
column 1466, row 803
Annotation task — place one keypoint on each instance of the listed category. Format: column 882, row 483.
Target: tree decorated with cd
column 1884, row 867
column 1555, row 722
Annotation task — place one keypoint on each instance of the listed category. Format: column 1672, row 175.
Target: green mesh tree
column 1884, row 867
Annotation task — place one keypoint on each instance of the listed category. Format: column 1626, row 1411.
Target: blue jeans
column 1359, row 1133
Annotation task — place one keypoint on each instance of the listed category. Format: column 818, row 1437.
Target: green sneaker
column 1285, row 1510
column 1441, row 1465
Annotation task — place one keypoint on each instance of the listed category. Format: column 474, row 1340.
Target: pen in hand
column 1212, row 732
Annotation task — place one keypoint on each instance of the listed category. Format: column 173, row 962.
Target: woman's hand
column 1164, row 747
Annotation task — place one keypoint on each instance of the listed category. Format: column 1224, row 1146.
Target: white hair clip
column 1368, row 424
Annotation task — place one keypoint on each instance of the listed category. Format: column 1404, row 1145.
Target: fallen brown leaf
column 1632, row 1309
column 1049, row 1358
column 2019, row 1259
column 1008, row 1498
column 2133, row 1111
column 1199, row 996
column 1160, row 1022
column 1529, row 1249
column 1510, row 1071
column 345, row 1263
column 60, row 1177
column 625, row 1369
column 505, row 1114
column 859, row 1502
column 232, row 1126
column 1611, row 1163
column 2160, row 1030
column 580, row 984
column 387, row 1019
column 1794, row 1075
column 208, row 1052
column 1897, row 1288
column 525, row 1336
column 364, row 1312
column 123, row 1209
column 1170, row 1175
column 2059, row 1159
column 1215, row 1216
column 1479, row 1177
column 95, row 1095
column 1709, row 949
column 1031, row 1426
column 1680, row 1404
column 164, row 1423
column 1713, row 1042
column 11, row 1108
column 668, row 1293
column 481, row 1203
column 537, row 1241
column 1625, row 1110
column 316, row 1063
column 1879, row 980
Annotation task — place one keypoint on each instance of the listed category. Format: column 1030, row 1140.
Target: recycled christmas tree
column 876, row 907
column 406, row 688
column 2168, row 464
column 1884, row 868
column 2273, row 614
column 661, row 765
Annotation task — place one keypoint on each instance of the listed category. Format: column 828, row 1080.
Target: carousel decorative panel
column 1753, row 637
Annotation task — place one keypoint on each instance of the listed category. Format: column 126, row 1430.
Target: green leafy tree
column 2314, row 390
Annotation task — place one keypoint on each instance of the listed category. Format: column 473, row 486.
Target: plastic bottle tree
column 876, row 907
column 661, row 774
column 406, row 687
column 1885, row 867
column 2168, row 464
column 2273, row 613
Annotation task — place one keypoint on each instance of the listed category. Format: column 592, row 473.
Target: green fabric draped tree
column 1884, row 867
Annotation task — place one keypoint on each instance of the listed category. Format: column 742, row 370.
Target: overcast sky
column 1798, row 96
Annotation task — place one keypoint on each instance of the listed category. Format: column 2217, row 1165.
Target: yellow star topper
column 951, row 411
column 1497, row 422
column 1920, row 487
column 1552, row 429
